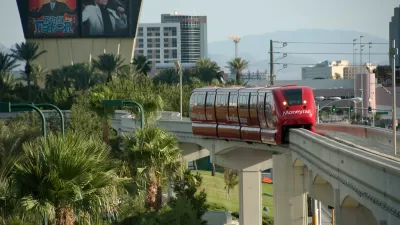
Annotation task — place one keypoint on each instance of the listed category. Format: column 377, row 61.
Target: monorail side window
column 253, row 101
column 210, row 100
column 244, row 100
column 261, row 102
column 193, row 100
column 293, row 96
column 201, row 100
column 233, row 98
column 222, row 99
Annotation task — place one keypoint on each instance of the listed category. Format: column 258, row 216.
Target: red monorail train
column 255, row 114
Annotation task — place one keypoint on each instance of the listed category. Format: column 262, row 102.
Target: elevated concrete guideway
column 362, row 184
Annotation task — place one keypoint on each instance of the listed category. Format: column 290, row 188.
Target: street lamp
column 369, row 55
column 394, row 52
column 179, row 69
column 354, row 58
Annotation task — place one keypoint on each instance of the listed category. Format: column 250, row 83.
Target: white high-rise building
column 324, row 70
column 160, row 42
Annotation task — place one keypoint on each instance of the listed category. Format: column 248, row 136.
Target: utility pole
column 362, row 82
column 271, row 62
column 394, row 125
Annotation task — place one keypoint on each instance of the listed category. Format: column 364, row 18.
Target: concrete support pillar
column 290, row 199
column 337, row 203
column 250, row 197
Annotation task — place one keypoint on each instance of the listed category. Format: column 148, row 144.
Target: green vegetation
column 91, row 176
column 216, row 194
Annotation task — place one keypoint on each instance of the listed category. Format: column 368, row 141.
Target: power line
column 328, row 53
column 330, row 43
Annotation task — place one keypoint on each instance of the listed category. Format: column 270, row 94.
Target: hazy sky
column 240, row 18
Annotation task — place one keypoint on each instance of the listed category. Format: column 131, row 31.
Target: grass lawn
column 216, row 193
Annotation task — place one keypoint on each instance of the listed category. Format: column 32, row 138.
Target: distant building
column 160, row 42
column 193, row 31
column 350, row 71
column 394, row 33
column 325, row 70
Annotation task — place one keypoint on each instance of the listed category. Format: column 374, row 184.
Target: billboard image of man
column 52, row 18
column 53, row 8
column 104, row 18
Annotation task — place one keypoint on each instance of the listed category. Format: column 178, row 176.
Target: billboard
column 107, row 18
column 52, row 18
column 79, row 18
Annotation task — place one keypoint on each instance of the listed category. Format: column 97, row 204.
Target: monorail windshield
column 293, row 96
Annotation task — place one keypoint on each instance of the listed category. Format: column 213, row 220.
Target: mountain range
column 255, row 48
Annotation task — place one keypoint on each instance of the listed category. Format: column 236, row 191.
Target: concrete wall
column 66, row 51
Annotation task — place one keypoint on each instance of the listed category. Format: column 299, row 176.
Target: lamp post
column 319, row 98
column 394, row 52
column 354, row 58
column 362, row 80
column 179, row 69
column 369, row 54
column 120, row 103
column 354, row 77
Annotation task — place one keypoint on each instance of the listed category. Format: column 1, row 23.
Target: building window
column 149, row 34
column 157, row 34
column 157, row 45
column 158, row 40
column 166, row 56
column 140, row 34
column 140, row 45
column 140, row 51
column 149, row 51
column 166, row 45
column 174, row 53
column 149, row 40
column 158, row 51
column 166, row 51
column 157, row 56
column 149, row 45
column 140, row 40
column 174, row 42
column 174, row 31
column 166, row 34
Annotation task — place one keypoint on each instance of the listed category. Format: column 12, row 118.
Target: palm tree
column 7, row 62
column 142, row 63
column 154, row 152
column 62, row 178
column 208, row 70
column 238, row 65
column 27, row 52
column 38, row 75
column 109, row 64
